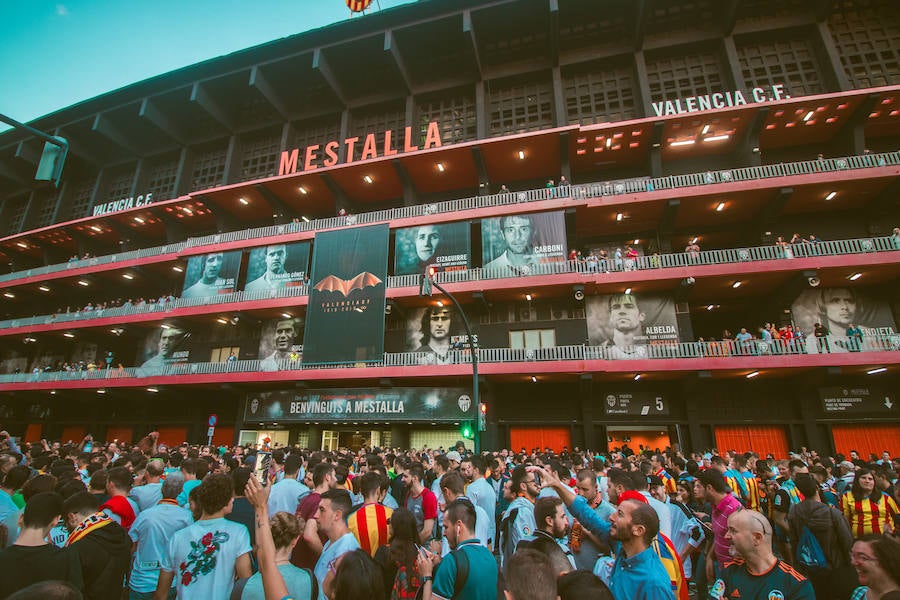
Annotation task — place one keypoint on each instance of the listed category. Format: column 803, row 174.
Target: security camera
column 579, row 292
column 814, row 282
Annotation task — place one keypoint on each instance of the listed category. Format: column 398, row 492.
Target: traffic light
column 482, row 416
column 467, row 431
column 52, row 160
column 425, row 287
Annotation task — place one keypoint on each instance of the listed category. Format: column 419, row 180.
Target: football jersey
column 781, row 582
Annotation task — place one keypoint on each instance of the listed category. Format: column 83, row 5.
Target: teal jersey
column 781, row 582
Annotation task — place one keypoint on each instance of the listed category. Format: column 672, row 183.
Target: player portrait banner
column 277, row 266
column 161, row 348
column 211, row 274
column 837, row 309
column 281, row 344
column 345, row 314
column 520, row 244
column 446, row 247
column 435, row 331
column 340, row 405
column 628, row 323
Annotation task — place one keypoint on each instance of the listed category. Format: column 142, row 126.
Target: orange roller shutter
column 224, row 436
column 74, row 433
column 867, row 439
column 762, row 439
column 34, row 432
column 172, row 436
column 123, row 434
column 540, row 437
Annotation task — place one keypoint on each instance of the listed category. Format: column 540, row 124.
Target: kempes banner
column 627, row 323
column 518, row 244
column 395, row 404
column 211, row 274
column 444, row 246
column 277, row 266
column 345, row 315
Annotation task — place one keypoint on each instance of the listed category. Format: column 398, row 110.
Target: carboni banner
column 395, row 404
column 345, row 315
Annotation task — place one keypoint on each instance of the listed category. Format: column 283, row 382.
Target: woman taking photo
column 398, row 558
column 876, row 559
column 869, row 510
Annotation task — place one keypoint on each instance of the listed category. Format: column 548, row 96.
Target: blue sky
column 55, row 54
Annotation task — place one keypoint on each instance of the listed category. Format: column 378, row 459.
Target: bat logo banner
column 345, row 316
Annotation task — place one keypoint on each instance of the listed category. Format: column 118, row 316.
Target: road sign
column 212, row 421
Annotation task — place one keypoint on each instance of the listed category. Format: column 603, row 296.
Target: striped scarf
column 89, row 525
column 577, row 532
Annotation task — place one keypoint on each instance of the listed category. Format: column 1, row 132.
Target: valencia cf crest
column 465, row 403
column 776, row 595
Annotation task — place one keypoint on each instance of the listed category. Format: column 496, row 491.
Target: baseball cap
column 454, row 455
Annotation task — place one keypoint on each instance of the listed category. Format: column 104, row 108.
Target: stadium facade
column 246, row 237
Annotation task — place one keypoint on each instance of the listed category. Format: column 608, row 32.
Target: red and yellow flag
column 358, row 5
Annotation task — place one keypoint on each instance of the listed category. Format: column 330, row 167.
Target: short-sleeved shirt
column 721, row 512
column 297, row 581
column 331, row 551
column 203, row 556
column 152, row 531
column 369, row 524
column 423, row 507
column 520, row 528
column 482, row 494
column 481, row 584
column 303, row 556
column 780, row 581
column 286, row 495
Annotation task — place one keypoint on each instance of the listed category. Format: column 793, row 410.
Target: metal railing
column 579, row 191
column 584, row 267
column 726, row 350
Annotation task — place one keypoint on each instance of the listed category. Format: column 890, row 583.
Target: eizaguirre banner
column 345, row 315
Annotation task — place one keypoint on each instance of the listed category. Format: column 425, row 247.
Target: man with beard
column 637, row 572
column 285, row 332
column 208, row 283
column 435, row 328
column 274, row 277
column 552, row 524
column 625, row 320
column 519, row 258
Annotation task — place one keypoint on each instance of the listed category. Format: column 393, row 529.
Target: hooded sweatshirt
column 105, row 555
column 828, row 525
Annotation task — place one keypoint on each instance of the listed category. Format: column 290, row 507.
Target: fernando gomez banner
column 345, row 316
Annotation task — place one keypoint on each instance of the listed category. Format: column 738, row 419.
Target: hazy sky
column 55, row 54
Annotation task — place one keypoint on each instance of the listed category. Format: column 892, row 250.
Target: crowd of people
column 164, row 301
column 147, row 521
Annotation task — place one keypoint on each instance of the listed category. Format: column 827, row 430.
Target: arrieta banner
column 345, row 315
column 340, row 405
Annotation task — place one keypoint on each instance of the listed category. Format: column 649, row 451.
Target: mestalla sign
column 379, row 405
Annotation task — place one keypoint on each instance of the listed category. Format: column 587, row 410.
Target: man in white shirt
column 331, row 519
column 287, row 493
column 452, row 487
column 480, row 491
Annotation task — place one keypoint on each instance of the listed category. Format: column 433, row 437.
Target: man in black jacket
column 832, row 532
column 103, row 547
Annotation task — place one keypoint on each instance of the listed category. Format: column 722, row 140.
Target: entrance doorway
column 354, row 440
column 638, row 437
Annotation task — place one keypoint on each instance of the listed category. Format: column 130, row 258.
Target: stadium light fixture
column 139, row 220
column 855, row 276
column 528, row 297
column 177, row 269
column 97, row 229
column 440, row 167
column 286, row 315
column 44, row 288
column 8, row 295
column 521, row 155
column 440, row 304
column 830, row 195
column 608, row 142
column 876, row 371
column 619, row 216
column 710, row 306
column 736, row 284
column 533, row 379
column 720, row 207
column 808, row 116
column 303, row 190
column 304, row 218
column 694, row 241
column 221, row 320
column 127, row 276
column 368, row 179
column 22, row 245
column 69, row 334
column 152, row 390
column 753, row 374
column 716, row 138
column 627, row 291
column 637, row 377
column 243, row 201
column 164, row 326
column 82, row 282
column 705, row 130
column 683, row 143
column 101, row 391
